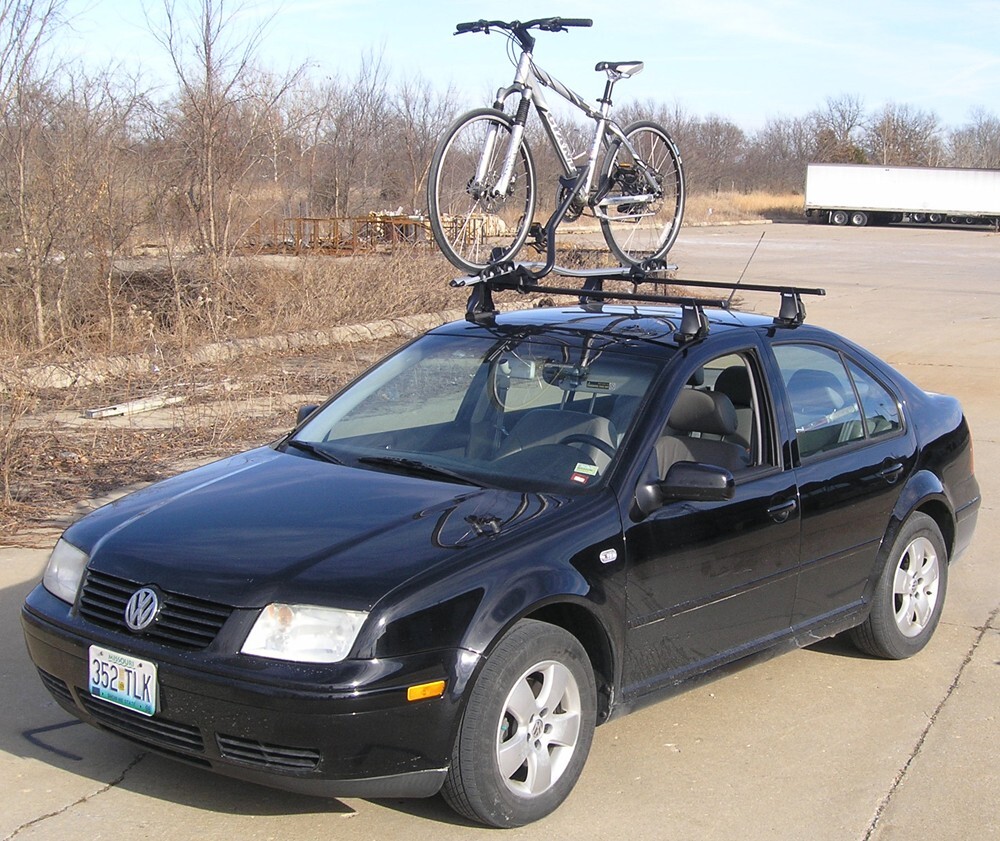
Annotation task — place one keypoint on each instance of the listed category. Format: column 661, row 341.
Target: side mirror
column 303, row 413
column 687, row 480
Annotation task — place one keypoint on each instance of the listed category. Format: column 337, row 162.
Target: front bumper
column 341, row 731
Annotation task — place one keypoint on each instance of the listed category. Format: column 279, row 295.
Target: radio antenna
column 739, row 280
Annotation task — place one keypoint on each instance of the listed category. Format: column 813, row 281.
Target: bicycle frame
column 524, row 86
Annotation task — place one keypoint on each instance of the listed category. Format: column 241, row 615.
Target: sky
column 745, row 61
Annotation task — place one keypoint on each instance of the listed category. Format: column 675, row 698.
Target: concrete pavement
column 819, row 744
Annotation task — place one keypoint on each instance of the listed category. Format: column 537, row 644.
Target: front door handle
column 782, row 511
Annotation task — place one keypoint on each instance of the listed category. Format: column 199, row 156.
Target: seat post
column 605, row 99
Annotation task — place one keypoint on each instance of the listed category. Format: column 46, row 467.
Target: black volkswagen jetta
column 511, row 530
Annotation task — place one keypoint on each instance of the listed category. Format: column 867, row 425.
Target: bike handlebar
column 545, row 24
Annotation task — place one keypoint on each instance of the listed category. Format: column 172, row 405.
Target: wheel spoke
column 902, row 582
column 512, row 754
column 539, row 771
column 921, row 607
column 554, row 681
column 563, row 729
column 905, row 613
column 522, row 703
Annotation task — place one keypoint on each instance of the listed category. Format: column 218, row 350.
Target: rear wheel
column 647, row 227
column 859, row 218
column 527, row 728
column 469, row 218
column 839, row 217
column 909, row 595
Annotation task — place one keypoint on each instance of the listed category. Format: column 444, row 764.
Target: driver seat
column 552, row 426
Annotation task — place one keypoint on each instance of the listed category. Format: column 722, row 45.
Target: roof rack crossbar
column 524, row 277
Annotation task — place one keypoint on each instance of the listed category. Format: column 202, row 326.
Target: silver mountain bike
column 482, row 182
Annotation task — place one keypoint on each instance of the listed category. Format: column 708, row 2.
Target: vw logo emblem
column 142, row 609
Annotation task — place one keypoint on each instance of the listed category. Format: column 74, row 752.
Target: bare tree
column 354, row 141
column 420, row 115
column 777, row 155
column 25, row 88
column 901, row 135
column 219, row 118
column 977, row 143
column 837, row 128
column 712, row 149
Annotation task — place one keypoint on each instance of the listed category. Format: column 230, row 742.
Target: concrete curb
column 94, row 371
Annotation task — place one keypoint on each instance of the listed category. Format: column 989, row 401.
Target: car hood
column 268, row 526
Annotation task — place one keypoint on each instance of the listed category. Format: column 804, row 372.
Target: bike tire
column 469, row 225
column 643, row 231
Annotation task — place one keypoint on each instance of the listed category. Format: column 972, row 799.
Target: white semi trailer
column 860, row 195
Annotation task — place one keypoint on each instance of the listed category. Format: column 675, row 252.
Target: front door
column 711, row 581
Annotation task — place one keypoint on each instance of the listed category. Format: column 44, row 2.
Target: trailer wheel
column 838, row 217
column 918, row 217
column 859, row 218
column 935, row 218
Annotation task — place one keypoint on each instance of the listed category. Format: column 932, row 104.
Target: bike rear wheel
column 646, row 228
column 468, row 217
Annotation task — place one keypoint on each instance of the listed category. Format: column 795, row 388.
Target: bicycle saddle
column 619, row 69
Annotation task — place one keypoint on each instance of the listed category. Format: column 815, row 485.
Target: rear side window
column 824, row 405
column 879, row 407
column 833, row 403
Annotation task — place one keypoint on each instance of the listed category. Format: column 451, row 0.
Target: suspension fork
column 520, row 87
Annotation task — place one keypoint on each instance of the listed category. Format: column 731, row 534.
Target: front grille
column 262, row 755
column 158, row 732
column 183, row 622
column 56, row 686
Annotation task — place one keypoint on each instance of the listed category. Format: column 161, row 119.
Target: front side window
column 509, row 410
column 719, row 418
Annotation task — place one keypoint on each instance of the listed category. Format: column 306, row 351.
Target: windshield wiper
column 417, row 468
column 314, row 449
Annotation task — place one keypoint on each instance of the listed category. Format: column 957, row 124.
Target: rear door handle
column 891, row 473
column 782, row 511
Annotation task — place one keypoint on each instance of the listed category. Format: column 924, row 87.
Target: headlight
column 65, row 570
column 304, row 633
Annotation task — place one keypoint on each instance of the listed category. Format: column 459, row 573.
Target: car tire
column 909, row 595
column 535, row 701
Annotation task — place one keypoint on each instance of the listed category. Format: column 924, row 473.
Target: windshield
column 506, row 411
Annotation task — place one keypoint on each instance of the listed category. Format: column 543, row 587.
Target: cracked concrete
column 819, row 744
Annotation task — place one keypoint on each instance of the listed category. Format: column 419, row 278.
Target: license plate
column 123, row 680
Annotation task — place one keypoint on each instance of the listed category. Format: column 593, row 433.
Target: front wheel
column 527, row 728
column 473, row 223
column 909, row 595
column 641, row 201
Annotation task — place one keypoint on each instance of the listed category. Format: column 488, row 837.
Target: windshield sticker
column 600, row 385
column 579, row 478
column 586, row 469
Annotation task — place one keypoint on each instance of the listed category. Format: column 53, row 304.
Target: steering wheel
column 592, row 440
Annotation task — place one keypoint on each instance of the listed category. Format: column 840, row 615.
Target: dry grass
column 50, row 458
column 713, row 208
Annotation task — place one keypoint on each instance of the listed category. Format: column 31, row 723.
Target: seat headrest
column 734, row 382
column 703, row 411
column 811, row 388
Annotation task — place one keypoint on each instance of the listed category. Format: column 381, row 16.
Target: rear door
column 853, row 454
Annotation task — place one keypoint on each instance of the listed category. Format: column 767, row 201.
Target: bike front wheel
column 473, row 222
column 642, row 197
